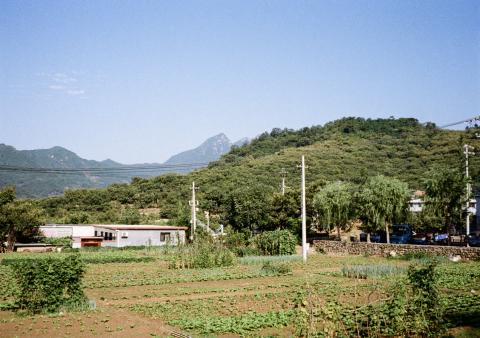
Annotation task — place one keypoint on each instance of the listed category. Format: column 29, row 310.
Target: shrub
column 270, row 268
column 60, row 241
column 200, row 255
column 48, row 283
column 277, row 242
column 245, row 251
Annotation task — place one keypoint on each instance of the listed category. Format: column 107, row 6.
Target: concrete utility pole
column 193, row 204
column 304, row 214
column 283, row 173
column 467, row 151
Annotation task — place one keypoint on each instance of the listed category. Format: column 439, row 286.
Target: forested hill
column 350, row 149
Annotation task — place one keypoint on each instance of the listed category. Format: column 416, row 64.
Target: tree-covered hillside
column 247, row 180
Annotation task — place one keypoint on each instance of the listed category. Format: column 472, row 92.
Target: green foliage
column 276, row 268
column 335, row 206
column 239, row 189
column 285, row 211
column 200, row 254
column 277, row 242
column 241, row 324
column 19, row 219
column 382, row 201
column 130, row 216
column 365, row 271
column 262, row 260
column 48, row 283
column 445, row 194
column 412, row 309
column 58, row 241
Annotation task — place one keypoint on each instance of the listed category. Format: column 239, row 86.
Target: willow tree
column 383, row 201
column 445, row 195
column 334, row 205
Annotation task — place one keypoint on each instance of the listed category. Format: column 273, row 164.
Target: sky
column 138, row 81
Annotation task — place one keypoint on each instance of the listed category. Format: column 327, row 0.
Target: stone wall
column 383, row 249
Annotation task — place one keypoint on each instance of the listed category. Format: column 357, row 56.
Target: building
column 113, row 235
column 82, row 234
column 136, row 235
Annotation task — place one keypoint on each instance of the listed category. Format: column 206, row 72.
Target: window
column 96, row 233
column 164, row 237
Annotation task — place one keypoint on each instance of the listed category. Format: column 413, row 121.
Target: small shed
column 136, row 235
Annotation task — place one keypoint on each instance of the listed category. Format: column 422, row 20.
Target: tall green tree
column 445, row 195
column 249, row 208
column 383, row 201
column 335, row 206
column 285, row 211
column 19, row 219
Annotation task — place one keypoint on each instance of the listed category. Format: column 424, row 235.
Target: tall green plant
column 383, row 200
column 445, row 194
column 335, row 206
column 277, row 242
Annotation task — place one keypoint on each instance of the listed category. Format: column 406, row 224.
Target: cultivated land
column 137, row 295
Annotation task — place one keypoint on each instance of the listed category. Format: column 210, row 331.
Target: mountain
column 32, row 183
column 208, row 151
column 350, row 149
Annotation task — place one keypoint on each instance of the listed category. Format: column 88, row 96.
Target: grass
column 243, row 299
column 261, row 260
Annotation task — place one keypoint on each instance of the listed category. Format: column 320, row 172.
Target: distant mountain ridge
column 210, row 150
column 31, row 184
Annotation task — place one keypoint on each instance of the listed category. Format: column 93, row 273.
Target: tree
column 335, row 206
column 285, row 211
column 249, row 208
column 383, row 200
column 445, row 195
column 19, row 219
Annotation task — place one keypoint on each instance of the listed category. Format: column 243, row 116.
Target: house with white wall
column 115, row 235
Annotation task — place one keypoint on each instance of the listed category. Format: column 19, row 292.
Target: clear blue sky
column 138, row 81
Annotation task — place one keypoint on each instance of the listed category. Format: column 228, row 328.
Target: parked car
column 422, row 238
column 401, row 234
column 474, row 239
column 376, row 237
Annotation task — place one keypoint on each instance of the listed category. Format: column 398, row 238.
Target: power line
column 104, row 171
column 470, row 120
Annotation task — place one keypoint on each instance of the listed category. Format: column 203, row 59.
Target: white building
column 136, row 235
column 78, row 232
column 114, row 235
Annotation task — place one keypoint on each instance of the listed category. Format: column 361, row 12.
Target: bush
column 277, row 242
column 48, row 283
column 245, row 251
column 275, row 269
column 200, row 255
column 59, row 241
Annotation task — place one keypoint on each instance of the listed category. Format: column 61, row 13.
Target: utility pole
column 193, row 204
column 467, row 151
column 283, row 173
column 304, row 214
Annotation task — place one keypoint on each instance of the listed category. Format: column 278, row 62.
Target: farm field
column 139, row 296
